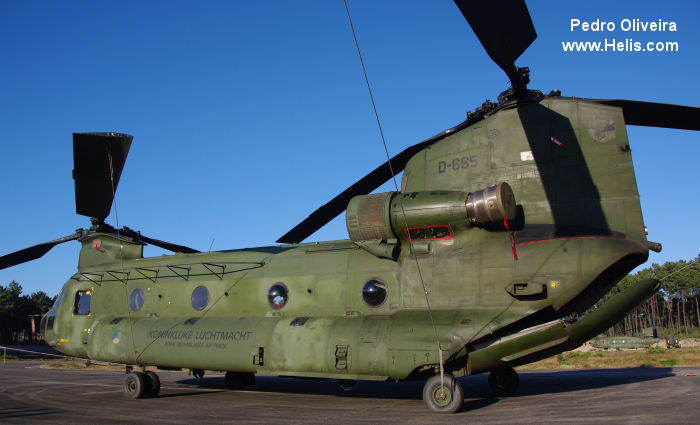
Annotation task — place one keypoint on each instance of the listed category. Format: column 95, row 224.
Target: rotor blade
column 505, row 29
column 652, row 114
column 98, row 162
column 167, row 245
column 365, row 185
column 33, row 252
column 162, row 244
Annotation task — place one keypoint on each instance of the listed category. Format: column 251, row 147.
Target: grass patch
column 651, row 357
column 669, row 362
column 10, row 357
column 81, row 365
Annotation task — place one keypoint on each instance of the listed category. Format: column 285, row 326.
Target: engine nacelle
column 426, row 215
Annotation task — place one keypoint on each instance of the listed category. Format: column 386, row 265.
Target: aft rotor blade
column 365, row 185
column 98, row 162
column 652, row 114
column 504, row 28
column 33, row 252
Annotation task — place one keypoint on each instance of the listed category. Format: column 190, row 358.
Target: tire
column 504, row 382
column 239, row 380
column 135, row 385
column 154, row 384
column 443, row 399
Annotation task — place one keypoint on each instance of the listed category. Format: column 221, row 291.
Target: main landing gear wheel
column 504, row 382
column 136, row 385
column 154, row 383
column 239, row 380
column 447, row 398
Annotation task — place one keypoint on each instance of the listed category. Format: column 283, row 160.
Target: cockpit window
column 59, row 297
column 82, row 302
column 51, row 319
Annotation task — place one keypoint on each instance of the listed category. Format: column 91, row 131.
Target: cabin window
column 136, row 299
column 200, row 298
column 82, row 302
column 278, row 295
column 374, row 293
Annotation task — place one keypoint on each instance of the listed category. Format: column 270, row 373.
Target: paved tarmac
column 29, row 394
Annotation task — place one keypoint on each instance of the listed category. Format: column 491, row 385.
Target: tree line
column 675, row 307
column 20, row 314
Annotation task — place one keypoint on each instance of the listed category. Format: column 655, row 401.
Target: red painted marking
column 556, row 141
column 96, row 246
column 512, row 239
column 428, row 239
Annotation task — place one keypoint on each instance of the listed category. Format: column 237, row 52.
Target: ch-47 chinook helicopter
column 505, row 226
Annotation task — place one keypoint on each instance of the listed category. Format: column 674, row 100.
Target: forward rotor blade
column 33, row 252
column 365, row 185
column 162, row 244
column 652, row 114
column 98, row 162
column 505, row 29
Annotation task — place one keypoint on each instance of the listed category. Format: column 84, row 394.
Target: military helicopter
column 505, row 227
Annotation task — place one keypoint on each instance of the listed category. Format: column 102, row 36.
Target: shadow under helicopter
column 476, row 388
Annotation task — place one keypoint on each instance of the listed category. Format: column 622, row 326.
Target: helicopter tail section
column 547, row 339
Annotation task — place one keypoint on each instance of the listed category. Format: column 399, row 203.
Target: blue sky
column 247, row 116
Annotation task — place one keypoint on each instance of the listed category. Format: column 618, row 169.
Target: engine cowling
column 427, row 214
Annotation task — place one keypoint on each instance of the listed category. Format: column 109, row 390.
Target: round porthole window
column 278, row 295
column 374, row 293
column 136, row 299
column 200, row 298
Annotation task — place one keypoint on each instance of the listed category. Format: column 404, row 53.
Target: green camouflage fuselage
column 496, row 294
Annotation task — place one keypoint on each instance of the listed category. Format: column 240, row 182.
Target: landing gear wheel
column 135, row 385
column 443, row 399
column 154, row 383
column 504, row 382
column 198, row 373
column 238, row 380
